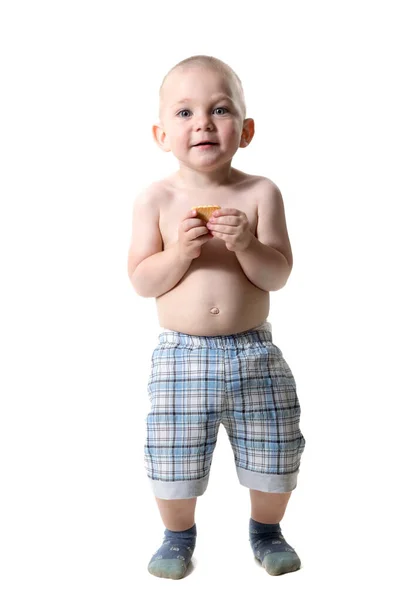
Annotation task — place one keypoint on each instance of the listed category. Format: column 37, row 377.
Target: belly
column 213, row 298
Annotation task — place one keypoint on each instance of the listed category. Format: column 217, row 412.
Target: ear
column 247, row 133
column 161, row 138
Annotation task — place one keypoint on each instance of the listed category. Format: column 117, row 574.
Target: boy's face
column 200, row 105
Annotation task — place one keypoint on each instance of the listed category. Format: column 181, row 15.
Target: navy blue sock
column 271, row 549
column 173, row 557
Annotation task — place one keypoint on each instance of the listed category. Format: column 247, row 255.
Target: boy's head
column 202, row 100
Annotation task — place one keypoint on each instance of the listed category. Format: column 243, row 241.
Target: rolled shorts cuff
column 179, row 490
column 265, row 482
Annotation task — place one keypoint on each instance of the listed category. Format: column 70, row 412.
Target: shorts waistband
column 261, row 333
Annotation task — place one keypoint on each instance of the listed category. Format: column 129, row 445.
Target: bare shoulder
column 268, row 194
column 267, row 187
column 243, row 180
column 260, row 183
column 152, row 194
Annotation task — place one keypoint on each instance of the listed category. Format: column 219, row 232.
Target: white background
column 79, row 96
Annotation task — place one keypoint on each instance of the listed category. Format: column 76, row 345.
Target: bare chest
column 178, row 205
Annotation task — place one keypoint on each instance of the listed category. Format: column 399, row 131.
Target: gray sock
column 173, row 557
column 271, row 549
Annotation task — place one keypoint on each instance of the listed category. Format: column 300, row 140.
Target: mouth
column 205, row 144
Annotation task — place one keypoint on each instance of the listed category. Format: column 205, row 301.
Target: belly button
column 214, row 310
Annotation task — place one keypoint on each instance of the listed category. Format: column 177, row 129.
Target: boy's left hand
column 232, row 226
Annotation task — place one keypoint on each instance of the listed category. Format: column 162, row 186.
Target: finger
column 196, row 223
column 221, row 228
column 193, row 218
column 226, row 220
column 193, row 224
column 222, row 235
column 201, row 230
column 226, row 211
column 190, row 215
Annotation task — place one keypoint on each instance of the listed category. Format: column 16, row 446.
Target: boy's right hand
column 193, row 233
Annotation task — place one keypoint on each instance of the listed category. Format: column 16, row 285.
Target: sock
column 271, row 548
column 173, row 557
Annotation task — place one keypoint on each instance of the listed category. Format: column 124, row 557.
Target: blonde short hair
column 215, row 64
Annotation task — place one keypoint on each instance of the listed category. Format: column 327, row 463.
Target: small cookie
column 204, row 212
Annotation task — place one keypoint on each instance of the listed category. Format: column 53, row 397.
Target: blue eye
column 221, row 108
column 184, row 110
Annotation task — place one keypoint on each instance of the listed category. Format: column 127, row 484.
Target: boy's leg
column 177, row 515
column 173, row 557
column 267, row 507
column 268, row 544
column 187, row 393
column 262, row 414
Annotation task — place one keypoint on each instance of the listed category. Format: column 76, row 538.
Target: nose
column 204, row 121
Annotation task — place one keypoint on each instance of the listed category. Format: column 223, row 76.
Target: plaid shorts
column 241, row 381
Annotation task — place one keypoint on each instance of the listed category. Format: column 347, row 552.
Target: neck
column 189, row 178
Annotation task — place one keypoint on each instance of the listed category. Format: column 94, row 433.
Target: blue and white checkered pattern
column 241, row 381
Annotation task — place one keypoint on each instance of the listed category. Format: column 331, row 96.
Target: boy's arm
column 267, row 262
column 151, row 270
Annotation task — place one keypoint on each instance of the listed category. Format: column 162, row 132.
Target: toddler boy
column 215, row 361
